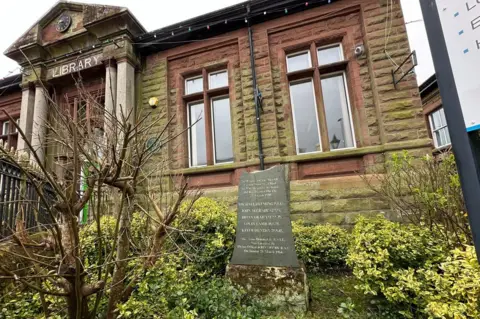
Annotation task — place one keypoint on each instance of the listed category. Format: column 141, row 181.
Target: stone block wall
column 325, row 187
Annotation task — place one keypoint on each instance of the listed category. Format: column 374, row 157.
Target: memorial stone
column 264, row 230
column 264, row 260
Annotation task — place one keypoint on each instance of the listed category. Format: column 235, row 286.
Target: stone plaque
column 75, row 66
column 264, row 230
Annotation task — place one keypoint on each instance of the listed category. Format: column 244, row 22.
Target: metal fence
column 13, row 200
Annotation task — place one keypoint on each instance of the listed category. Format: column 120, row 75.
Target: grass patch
column 329, row 291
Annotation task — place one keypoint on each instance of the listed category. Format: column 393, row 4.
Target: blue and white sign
column 460, row 21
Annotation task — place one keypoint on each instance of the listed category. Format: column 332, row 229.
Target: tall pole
column 465, row 144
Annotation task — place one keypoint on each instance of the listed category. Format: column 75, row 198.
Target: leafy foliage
column 426, row 192
column 414, row 271
column 380, row 247
column 208, row 236
column 90, row 240
column 168, row 291
column 450, row 289
column 320, row 246
column 21, row 304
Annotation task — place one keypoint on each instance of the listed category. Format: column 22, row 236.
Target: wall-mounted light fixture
column 153, row 102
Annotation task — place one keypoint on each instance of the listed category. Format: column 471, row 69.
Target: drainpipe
column 256, row 94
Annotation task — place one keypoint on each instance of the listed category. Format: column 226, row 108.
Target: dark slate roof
column 428, row 85
column 196, row 28
column 11, row 83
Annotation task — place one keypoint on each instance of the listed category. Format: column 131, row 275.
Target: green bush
column 379, row 247
column 414, row 271
column 426, row 192
column 450, row 289
column 90, row 240
column 169, row 291
column 208, row 236
column 18, row 304
column 320, row 246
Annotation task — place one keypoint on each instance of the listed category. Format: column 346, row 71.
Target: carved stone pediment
column 70, row 26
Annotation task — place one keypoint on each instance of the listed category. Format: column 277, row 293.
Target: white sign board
column 460, row 21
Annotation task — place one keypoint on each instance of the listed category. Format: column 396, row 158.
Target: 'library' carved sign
column 75, row 66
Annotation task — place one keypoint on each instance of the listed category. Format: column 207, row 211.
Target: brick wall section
column 401, row 109
column 431, row 101
column 154, row 85
column 385, row 119
column 337, row 200
column 263, row 66
column 10, row 103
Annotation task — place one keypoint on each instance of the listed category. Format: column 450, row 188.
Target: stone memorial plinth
column 264, row 260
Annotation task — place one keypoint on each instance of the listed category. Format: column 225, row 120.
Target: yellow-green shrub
column 379, row 247
column 90, row 240
column 413, row 270
column 208, row 235
column 172, row 291
column 450, row 289
column 320, row 246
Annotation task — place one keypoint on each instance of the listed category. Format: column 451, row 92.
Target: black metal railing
column 19, row 199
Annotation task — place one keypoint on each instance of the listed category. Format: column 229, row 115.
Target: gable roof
column 92, row 14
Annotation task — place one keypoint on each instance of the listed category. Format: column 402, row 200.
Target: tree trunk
column 72, row 268
column 158, row 242
column 123, row 248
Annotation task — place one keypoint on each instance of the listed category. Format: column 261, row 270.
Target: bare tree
column 101, row 159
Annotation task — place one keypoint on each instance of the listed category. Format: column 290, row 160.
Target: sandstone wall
column 325, row 187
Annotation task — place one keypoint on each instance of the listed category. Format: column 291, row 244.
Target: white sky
column 16, row 17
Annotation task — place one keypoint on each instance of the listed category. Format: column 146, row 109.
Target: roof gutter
column 428, row 84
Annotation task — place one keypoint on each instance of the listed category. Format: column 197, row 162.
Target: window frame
column 319, row 72
column 433, row 131
column 327, row 46
column 193, row 78
column 296, row 53
column 303, row 80
column 11, row 135
column 349, row 106
column 216, row 72
column 189, row 126
column 207, row 96
column 5, row 123
column 220, row 97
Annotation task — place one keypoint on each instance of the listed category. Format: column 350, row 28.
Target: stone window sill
column 338, row 154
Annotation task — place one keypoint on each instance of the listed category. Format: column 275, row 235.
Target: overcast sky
column 16, row 17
